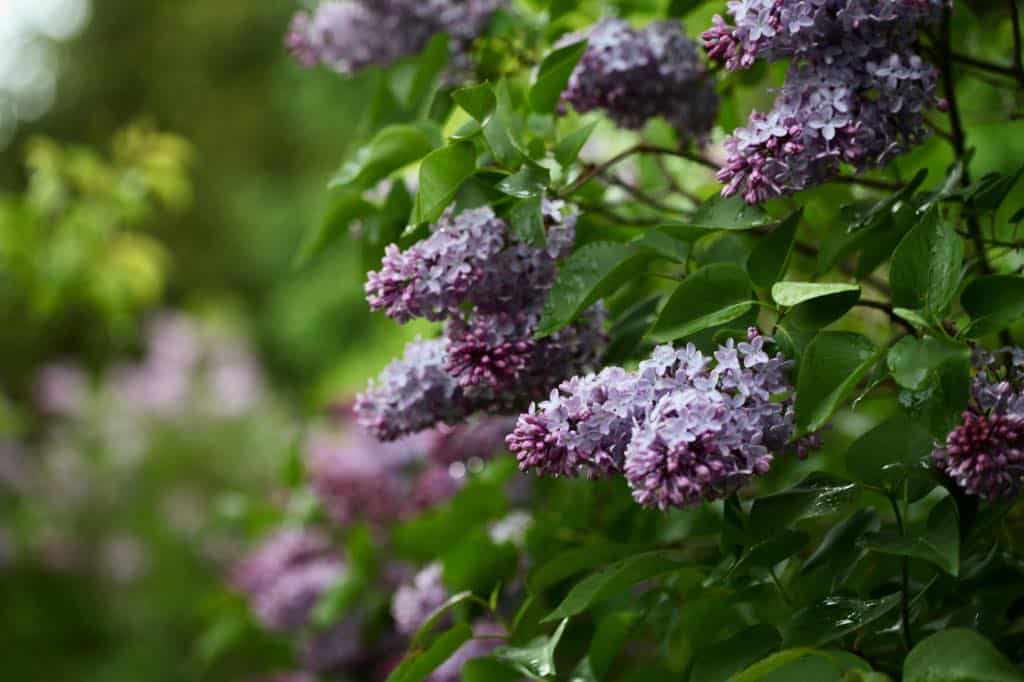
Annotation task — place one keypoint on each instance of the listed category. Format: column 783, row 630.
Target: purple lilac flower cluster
column 985, row 454
column 682, row 429
column 634, row 75
column 856, row 91
column 489, row 287
column 350, row 35
column 286, row 575
column 358, row 477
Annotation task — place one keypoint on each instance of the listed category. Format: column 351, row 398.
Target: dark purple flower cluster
column 350, row 35
column 489, row 287
column 634, row 75
column 985, row 454
column 683, row 428
column 855, row 93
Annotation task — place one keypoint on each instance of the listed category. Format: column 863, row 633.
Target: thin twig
column 1018, row 57
column 637, row 193
column 984, row 65
column 908, row 638
column 600, row 168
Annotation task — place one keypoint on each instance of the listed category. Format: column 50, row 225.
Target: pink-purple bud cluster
column 856, row 91
column 985, row 454
column 682, row 429
column 633, row 75
column 489, row 287
column 350, row 35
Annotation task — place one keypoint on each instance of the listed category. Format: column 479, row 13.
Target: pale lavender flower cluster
column 350, row 35
column 286, row 576
column 486, row 637
column 489, row 287
column 415, row 601
column 682, row 429
column 856, row 91
column 985, row 454
column 634, row 75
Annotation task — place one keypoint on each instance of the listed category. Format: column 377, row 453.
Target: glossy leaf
column 612, row 633
column 926, row 266
column 592, row 272
column 883, row 456
column 345, row 207
column 911, row 360
column 815, row 305
column 884, row 208
column 530, row 181
column 478, row 101
column 768, row 261
column 959, row 655
column 390, row 149
column 553, row 75
column 714, row 295
column 938, row 544
column 420, row 662
column 526, row 221
column 819, row 494
column 536, row 660
column 832, row 365
column 833, row 618
column 664, row 245
column 615, row 578
column 993, row 302
column 720, row 661
column 441, row 174
column 569, row 147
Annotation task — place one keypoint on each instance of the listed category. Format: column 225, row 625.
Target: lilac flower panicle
column 350, row 35
column 984, row 455
column 855, row 93
column 414, row 602
column 683, row 428
column 287, row 575
column 634, row 75
column 412, row 394
column 433, row 277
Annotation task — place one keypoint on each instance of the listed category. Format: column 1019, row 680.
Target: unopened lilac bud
column 985, row 455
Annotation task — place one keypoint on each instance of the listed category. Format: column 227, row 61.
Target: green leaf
column 680, row 8
column 553, row 76
column 614, row 579
column 558, row 8
column 592, row 272
column 504, row 130
column 819, row 494
column 720, row 661
column 476, row 563
column 479, row 101
column 765, row 553
column 572, row 561
column 612, row 633
column 536, row 660
column 441, row 174
column 838, row 549
column 390, row 149
column 882, row 211
column 938, row 544
column 420, row 662
column 791, row 294
column 988, row 193
column 417, row 95
column 912, row 360
column 833, row 618
column 832, row 365
column 815, row 305
column 940, row 401
column 569, row 147
column 488, row 670
column 345, row 207
column 423, row 633
column 768, row 261
column 530, row 181
column 925, row 271
column 883, row 456
column 718, row 214
column 663, row 245
column 993, row 302
column 526, row 221
column 959, row 655
column 714, row 295
column 790, row 665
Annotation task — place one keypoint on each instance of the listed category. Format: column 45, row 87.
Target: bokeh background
column 160, row 162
